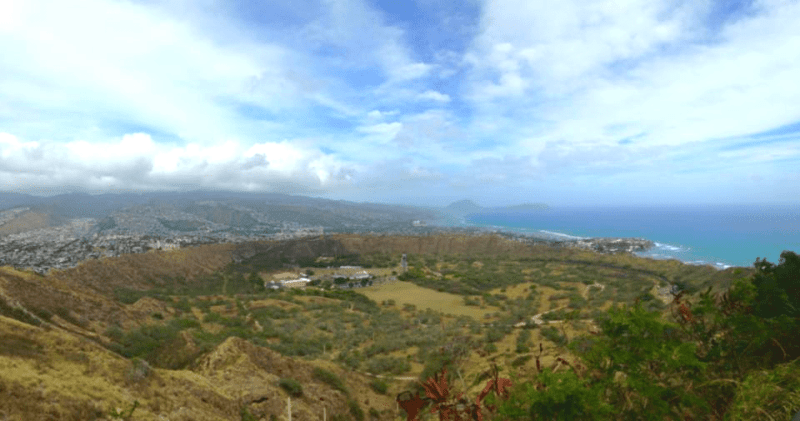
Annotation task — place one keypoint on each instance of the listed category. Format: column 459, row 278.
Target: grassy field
column 424, row 298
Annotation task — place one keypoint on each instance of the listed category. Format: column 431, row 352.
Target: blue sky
column 633, row 102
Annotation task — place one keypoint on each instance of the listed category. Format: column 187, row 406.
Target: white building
column 296, row 283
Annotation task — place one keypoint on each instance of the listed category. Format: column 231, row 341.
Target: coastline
column 640, row 247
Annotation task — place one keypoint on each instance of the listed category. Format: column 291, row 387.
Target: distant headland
column 467, row 207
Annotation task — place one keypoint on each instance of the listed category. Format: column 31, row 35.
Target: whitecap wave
column 670, row 247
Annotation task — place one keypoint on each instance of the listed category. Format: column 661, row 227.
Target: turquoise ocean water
column 722, row 236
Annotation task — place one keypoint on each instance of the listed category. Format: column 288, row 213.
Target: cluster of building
column 137, row 229
column 10, row 214
column 344, row 277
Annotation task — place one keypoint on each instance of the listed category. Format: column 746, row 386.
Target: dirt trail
column 379, row 376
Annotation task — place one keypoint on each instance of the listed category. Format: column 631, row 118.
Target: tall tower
column 404, row 263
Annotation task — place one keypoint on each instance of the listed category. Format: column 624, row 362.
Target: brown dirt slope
column 86, row 293
column 438, row 244
column 48, row 373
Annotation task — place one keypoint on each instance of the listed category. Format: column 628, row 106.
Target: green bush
column 291, row 386
column 355, row 410
column 469, row 301
column 379, row 386
column 763, row 394
column 128, row 296
column 553, row 335
column 387, row 364
column 139, row 370
column 17, row 313
column 330, row 378
column 351, row 360
column 494, row 335
column 183, row 305
column 523, row 341
column 66, row 314
column 520, row 361
column 213, row 317
column 565, row 397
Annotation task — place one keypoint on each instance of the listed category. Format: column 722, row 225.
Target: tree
column 778, row 287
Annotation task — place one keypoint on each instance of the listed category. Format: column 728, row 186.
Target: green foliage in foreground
column 565, row 397
column 734, row 356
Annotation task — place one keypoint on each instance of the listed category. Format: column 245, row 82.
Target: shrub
column 388, row 364
column 566, row 398
column 379, row 386
column 330, row 378
column 351, row 360
column 355, row 410
column 17, row 313
column 139, row 370
column 213, row 317
column 128, row 296
column 523, row 341
column 183, row 305
column 773, row 394
column 291, row 386
column 520, row 361
column 66, row 314
column 553, row 335
column 469, row 301
column 42, row 313
column 493, row 335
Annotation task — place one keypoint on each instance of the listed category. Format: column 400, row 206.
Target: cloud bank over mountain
column 636, row 102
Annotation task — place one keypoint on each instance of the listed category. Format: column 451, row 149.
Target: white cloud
column 381, row 132
column 435, row 96
column 343, row 94
column 118, row 61
column 586, row 76
column 135, row 160
column 359, row 29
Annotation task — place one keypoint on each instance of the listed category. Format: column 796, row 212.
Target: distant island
column 467, row 207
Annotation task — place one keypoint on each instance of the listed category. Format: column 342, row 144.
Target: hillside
column 463, row 207
column 192, row 333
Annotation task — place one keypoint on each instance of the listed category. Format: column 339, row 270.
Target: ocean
column 722, row 236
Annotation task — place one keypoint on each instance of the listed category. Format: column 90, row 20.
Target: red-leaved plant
column 438, row 392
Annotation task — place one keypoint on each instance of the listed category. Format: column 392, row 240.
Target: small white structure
column 295, row 283
column 273, row 285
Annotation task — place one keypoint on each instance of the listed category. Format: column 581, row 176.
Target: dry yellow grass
column 409, row 293
column 516, row 291
column 273, row 302
column 52, row 374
